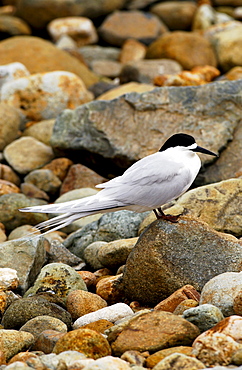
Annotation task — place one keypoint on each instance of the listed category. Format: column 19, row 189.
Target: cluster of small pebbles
column 86, row 89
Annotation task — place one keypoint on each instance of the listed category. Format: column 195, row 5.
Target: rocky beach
column 87, row 88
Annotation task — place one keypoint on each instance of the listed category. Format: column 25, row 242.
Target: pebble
column 8, row 279
column 32, row 191
column 178, row 361
column 90, row 254
column 13, row 341
column 204, row 316
column 108, row 362
column 54, row 91
column 12, row 71
column 89, row 342
column 144, row 27
column 9, row 124
column 132, row 50
column 41, row 131
column 58, row 278
column 156, row 357
column 7, row 173
column 153, row 331
column 124, row 89
column 7, row 187
column 111, row 313
column 22, row 310
column 44, row 179
column 80, row 303
column 108, row 289
column 46, row 340
column 16, row 154
column 59, row 166
column 39, row 324
column 80, row 29
column 170, row 303
column 221, row 291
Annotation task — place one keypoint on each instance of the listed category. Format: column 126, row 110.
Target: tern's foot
column 160, row 214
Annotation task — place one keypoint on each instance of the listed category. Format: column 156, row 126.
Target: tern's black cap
column 178, row 140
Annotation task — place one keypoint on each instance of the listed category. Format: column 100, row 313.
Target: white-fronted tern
column 147, row 185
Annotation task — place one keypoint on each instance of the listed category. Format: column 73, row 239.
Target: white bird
column 147, row 185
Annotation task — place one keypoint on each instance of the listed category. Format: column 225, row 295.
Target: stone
column 153, row 331
column 39, row 14
column 108, row 362
column 31, row 191
column 217, row 345
column 46, row 340
column 228, row 164
column 185, row 305
column 111, row 313
column 108, row 289
column 91, row 53
column 12, row 218
column 125, row 89
column 89, row 342
column 58, row 253
column 80, row 303
column 219, row 205
column 89, row 278
column 107, row 68
column 8, row 279
column 44, row 95
column 221, row 291
column 97, row 137
column 80, row 29
column 133, row 358
column 12, row 71
column 13, row 341
column 22, row 231
column 175, row 14
column 170, row 304
column 13, row 26
column 99, row 325
column 123, row 25
column 41, row 56
column 227, row 46
column 206, row 16
column 44, row 179
column 178, row 361
column 7, row 173
column 111, row 226
column 161, row 261
column 132, row 50
column 145, row 71
column 25, row 309
column 90, row 254
column 234, row 73
column 19, row 157
column 31, row 257
column 156, row 357
column 115, row 253
column 188, row 49
column 58, row 278
column 6, row 187
column 41, row 131
column 9, row 124
column 38, row 324
column 59, row 166
column 80, row 176
column 204, row 316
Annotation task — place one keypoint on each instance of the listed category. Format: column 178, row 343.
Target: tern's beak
column 205, row 151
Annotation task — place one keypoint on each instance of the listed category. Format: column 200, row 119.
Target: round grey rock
column 204, row 317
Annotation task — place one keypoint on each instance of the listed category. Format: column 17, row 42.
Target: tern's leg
column 161, row 214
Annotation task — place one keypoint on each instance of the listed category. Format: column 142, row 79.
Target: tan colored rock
column 41, row 131
column 123, row 25
column 107, row 68
column 80, row 29
column 32, row 191
column 188, row 49
column 13, row 341
column 7, row 187
column 41, row 56
column 45, row 95
column 9, row 124
column 14, row 26
column 89, row 342
column 124, row 89
column 234, row 74
column 99, row 325
column 132, row 50
column 80, row 303
column 177, row 361
column 177, row 15
column 185, row 305
column 156, row 357
column 108, row 289
column 59, row 166
column 219, row 204
column 153, row 331
column 27, row 153
column 7, row 173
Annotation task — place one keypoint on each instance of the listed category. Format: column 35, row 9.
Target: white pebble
column 112, row 313
column 8, row 279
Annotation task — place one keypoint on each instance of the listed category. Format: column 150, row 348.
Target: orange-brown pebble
column 186, row 292
column 80, row 302
column 23, row 357
column 2, row 358
column 99, row 325
column 108, row 289
column 185, row 305
column 59, row 167
column 156, row 357
column 7, row 187
column 89, row 278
